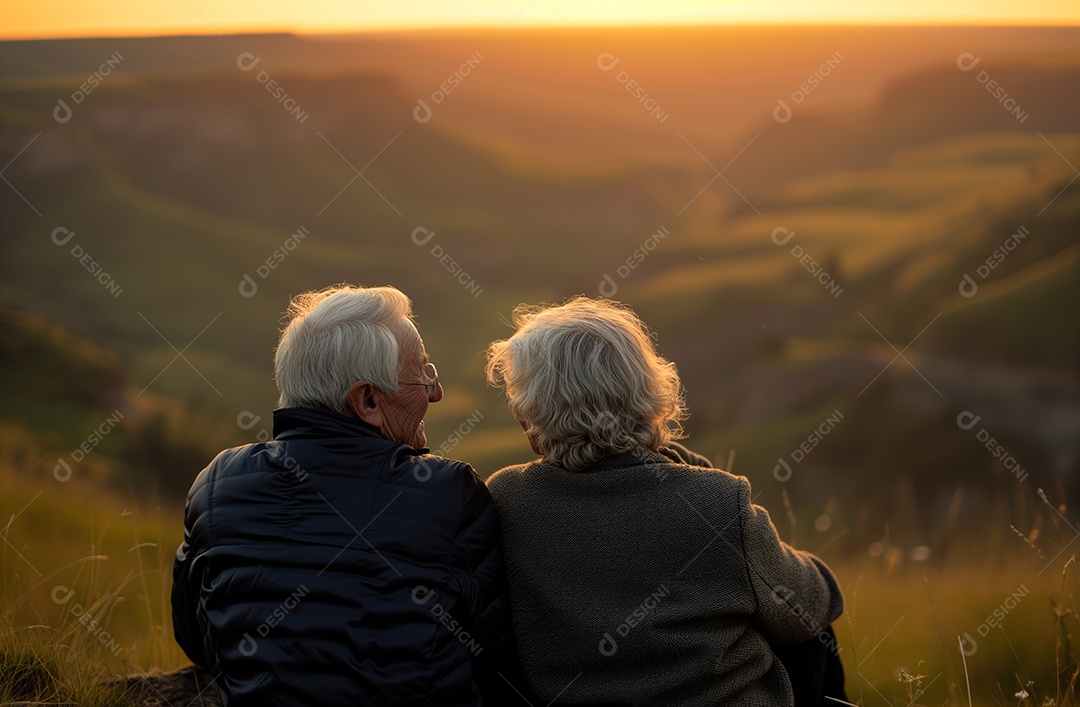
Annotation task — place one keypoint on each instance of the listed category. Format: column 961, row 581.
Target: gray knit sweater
column 644, row 581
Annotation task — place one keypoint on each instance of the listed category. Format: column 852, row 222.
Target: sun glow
column 66, row 18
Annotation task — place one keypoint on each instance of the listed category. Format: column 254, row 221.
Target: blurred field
column 903, row 614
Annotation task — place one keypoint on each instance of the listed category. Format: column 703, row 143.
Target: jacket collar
column 295, row 423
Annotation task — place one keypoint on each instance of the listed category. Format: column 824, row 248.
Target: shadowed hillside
column 191, row 186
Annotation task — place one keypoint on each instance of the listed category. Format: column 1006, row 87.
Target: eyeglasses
column 431, row 379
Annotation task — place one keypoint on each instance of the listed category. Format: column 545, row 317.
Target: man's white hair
column 335, row 337
column 586, row 381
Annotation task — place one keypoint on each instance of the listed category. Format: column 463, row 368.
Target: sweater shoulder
column 710, row 477
column 505, row 480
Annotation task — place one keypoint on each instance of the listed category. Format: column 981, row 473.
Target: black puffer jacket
column 331, row 566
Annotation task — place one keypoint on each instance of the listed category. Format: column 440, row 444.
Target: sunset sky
column 71, row 18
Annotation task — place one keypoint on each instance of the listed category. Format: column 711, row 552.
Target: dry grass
column 900, row 639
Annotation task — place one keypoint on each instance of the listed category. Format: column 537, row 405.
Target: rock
column 190, row 686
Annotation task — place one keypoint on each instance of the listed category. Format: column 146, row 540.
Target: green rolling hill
column 182, row 178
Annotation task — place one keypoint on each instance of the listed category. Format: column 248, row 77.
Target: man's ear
column 363, row 399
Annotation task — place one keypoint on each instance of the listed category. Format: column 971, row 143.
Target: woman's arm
column 797, row 594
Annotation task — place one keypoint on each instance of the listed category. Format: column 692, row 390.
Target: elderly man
column 339, row 563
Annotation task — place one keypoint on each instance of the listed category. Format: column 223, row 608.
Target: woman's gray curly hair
column 585, row 380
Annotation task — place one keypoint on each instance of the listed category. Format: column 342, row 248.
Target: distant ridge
column 189, row 52
column 50, row 57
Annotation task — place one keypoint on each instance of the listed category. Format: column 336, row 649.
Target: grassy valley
column 896, row 263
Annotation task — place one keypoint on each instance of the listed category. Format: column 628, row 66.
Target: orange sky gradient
column 38, row 19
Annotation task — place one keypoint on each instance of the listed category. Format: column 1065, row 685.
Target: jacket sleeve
column 187, row 582
column 797, row 595
column 495, row 669
column 478, row 543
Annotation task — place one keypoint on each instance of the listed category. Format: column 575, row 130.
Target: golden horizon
column 455, row 29
column 62, row 19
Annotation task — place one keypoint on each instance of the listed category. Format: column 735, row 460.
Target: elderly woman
column 637, row 573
